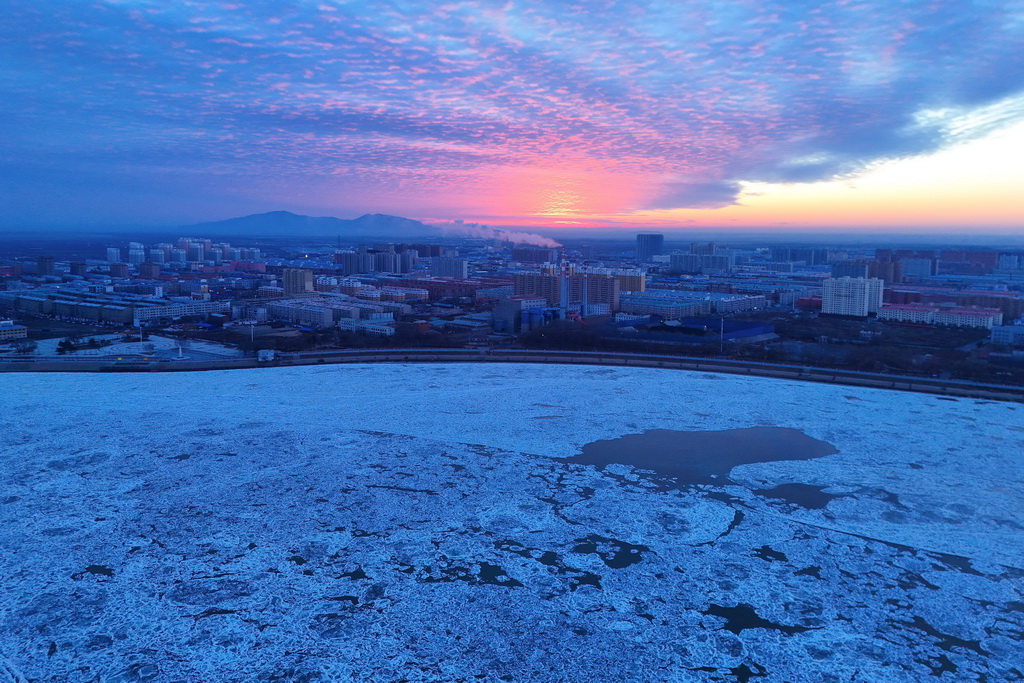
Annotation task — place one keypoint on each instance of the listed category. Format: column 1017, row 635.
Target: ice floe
column 425, row 522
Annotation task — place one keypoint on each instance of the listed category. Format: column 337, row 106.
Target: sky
column 856, row 115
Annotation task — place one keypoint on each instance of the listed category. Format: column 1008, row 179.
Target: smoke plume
column 460, row 227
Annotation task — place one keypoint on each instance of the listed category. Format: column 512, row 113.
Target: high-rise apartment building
column 441, row 266
column 384, row 261
column 149, row 271
column 45, row 265
column 601, row 289
column 810, row 256
column 629, row 282
column 890, row 271
column 113, row 254
column 685, row 263
column 422, row 250
column 716, row 263
column 297, row 281
column 850, row 269
column 853, row 296
column 527, row 254
column 917, row 268
column 353, row 262
column 1011, row 261
column 649, row 245
column 701, row 263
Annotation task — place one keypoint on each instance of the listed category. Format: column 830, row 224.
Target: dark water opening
column 804, row 495
column 741, row 617
column 702, row 457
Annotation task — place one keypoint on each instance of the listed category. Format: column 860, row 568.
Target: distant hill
column 286, row 224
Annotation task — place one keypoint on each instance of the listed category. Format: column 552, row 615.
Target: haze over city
column 774, row 116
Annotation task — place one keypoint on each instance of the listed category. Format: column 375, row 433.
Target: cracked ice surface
column 417, row 522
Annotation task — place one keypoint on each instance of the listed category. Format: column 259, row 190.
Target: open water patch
column 803, row 495
column 699, row 457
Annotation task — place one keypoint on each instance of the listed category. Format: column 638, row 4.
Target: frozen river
column 505, row 523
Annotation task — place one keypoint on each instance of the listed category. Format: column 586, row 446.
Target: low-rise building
column 383, row 327
column 1010, row 335
column 672, row 304
column 300, row 312
column 180, row 309
column 9, row 331
column 907, row 313
column 668, row 304
column 969, row 317
column 511, row 314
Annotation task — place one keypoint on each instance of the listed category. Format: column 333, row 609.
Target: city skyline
column 844, row 117
column 281, row 459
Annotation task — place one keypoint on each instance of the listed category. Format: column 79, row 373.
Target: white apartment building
column 301, row 313
column 907, row 313
column 961, row 316
column 384, row 327
column 670, row 305
column 853, row 296
column 969, row 317
column 180, row 310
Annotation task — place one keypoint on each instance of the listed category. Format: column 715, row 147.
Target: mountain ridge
column 286, row 223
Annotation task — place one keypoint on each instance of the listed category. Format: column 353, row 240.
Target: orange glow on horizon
column 569, row 192
column 976, row 183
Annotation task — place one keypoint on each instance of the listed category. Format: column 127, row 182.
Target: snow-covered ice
column 420, row 523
